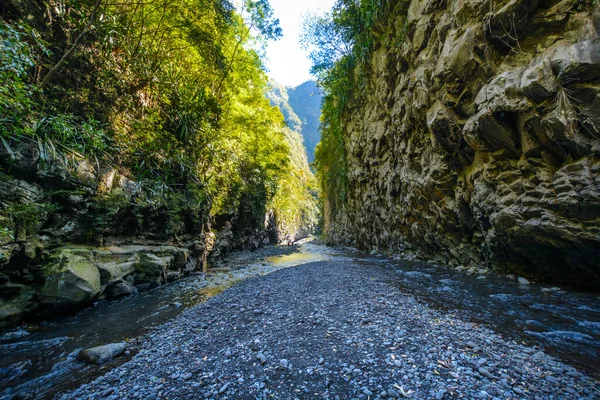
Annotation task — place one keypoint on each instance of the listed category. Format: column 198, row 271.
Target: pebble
column 486, row 373
column 224, row 388
column 395, row 340
column 522, row 281
column 262, row 358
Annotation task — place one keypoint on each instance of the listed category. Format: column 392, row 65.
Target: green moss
column 29, row 215
column 71, row 278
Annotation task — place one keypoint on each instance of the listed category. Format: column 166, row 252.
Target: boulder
column 106, row 180
column 443, row 125
column 102, row 354
column 151, row 268
column 15, row 301
column 120, row 289
column 503, row 93
column 71, row 279
column 579, row 62
column 538, row 82
column 506, row 24
column 113, row 272
column 483, row 132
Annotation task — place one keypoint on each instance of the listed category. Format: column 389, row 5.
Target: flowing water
column 565, row 322
column 40, row 361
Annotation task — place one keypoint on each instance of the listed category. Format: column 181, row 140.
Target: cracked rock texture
column 477, row 141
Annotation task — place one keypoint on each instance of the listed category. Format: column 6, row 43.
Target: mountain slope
column 301, row 108
column 305, row 100
column 298, row 191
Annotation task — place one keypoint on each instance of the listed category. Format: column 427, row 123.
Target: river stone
column 72, row 279
column 102, row 354
column 523, row 281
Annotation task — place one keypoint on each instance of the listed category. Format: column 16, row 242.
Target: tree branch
column 63, row 59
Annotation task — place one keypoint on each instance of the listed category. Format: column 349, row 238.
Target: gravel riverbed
column 331, row 329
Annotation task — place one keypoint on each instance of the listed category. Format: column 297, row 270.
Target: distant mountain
column 301, row 107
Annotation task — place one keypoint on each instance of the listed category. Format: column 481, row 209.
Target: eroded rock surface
column 477, row 142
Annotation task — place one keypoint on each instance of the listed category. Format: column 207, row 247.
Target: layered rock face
column 73, row 233
column 477, row 142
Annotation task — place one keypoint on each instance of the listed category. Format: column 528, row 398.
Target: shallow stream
column 40, row 360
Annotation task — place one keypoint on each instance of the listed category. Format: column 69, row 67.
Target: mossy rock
column 152, row 268
column 15, row 300
column 71, row 279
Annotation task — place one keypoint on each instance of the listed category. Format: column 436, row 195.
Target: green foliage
column 104, row 210
column 85, row 137
column 295, row 201
column 29, row 215
column 261, row 17
column 341, row 43
column 16, row 59
column 172, row 92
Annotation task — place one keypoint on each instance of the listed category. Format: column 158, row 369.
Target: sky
column 287, row 63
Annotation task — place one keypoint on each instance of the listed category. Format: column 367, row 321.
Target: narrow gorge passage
column 359, row 326
column 329, row 199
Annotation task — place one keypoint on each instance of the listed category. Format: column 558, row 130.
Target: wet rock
column 151, row 268
column 15, row 301
column 120, row 289
column 102, row 354
column 522, row 281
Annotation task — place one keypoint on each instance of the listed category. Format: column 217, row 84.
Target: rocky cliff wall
column 477, row 141
column 73, row 231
